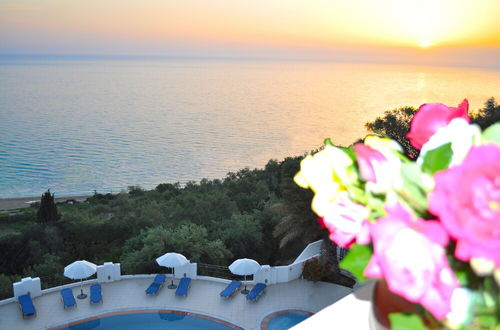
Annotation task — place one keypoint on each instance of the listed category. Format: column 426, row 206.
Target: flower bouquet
column 430, row 227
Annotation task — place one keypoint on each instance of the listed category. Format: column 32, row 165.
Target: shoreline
column 9, row 204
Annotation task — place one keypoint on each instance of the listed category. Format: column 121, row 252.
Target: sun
column 425, row 44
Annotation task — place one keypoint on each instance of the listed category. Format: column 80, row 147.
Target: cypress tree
column 47, row 212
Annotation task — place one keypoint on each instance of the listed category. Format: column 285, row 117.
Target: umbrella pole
column 245, row 291
column 172, row 285
column 81, row 295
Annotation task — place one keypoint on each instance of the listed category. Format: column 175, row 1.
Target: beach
column 7, row 204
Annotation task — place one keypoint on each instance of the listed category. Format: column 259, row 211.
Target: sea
column 80, row 124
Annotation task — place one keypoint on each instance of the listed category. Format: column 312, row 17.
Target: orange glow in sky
column 154, row 26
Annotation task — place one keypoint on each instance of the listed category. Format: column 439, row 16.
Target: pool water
column 286, row 320
column 150, row 321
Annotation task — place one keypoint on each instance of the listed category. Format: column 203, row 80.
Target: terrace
column 122, row 293
column 203, row 298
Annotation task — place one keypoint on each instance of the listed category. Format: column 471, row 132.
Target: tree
column 191, row 240
column 47, row 212
column 242, row 234
column 49, row 270
column 6, row 285
column 396, row 124
column 329, row 258
column 488, row 115
column 298, row 222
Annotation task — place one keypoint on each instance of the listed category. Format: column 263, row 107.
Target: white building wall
column 282, row 274
column 295, row 271
column 188, row 270
column 311, row 250
column 108, row 272
column 28, row 285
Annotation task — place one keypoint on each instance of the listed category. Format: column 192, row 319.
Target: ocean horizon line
column 258, row 59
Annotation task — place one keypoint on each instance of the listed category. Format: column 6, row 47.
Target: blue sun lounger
column 157, row 284
column 95, row 294
column 230, row 289
column 256, row 292
column 183, row 287
column 26, row 305
column 68, row 298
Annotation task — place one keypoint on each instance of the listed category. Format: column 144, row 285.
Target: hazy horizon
column 423, row 32
column 478, row 58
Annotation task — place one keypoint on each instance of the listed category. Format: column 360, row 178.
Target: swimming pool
column 150, row 320
column 284, row 320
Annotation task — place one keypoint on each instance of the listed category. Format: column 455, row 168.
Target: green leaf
column 492, row 133
column 400, row 321
column 356, row 260
column 437, row 159
column 350, row 152
column 411, row 172
column 328, row 142
column 487, row 321
column 413, row 193
column 462, row 277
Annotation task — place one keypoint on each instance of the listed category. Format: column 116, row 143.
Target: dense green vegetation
column 259, row 214
column 212, row 222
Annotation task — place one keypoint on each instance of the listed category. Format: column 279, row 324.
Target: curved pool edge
column 264, row 320
column 123, row 311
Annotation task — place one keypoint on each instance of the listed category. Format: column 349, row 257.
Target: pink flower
column 321, row 222
column 409, row 253
column 346, row 222
column 367, row 160
column 431, row 117
column 467, row 201
column 378, row 162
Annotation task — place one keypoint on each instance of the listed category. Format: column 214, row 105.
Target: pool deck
column 203, row 298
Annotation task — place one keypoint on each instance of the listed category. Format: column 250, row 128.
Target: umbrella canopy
column 244, row 267
column 172, row 260
column 80, row 269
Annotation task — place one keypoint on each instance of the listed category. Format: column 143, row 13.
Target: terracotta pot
column 384, row 302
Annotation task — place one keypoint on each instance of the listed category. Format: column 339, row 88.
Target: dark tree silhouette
column 488, row 115
column 396, row 124
column 47, row 212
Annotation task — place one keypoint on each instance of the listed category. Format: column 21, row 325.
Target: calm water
column 83, row 124
column 286, row 321
column 151, row 321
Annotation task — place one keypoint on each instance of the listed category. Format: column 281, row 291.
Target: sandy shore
column 18, row 203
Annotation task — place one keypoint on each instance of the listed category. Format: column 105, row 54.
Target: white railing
column 109, row 272
column 312, row 250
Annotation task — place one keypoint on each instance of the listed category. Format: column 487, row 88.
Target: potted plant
column 427, row 228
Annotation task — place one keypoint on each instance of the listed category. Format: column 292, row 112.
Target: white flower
column 459, row 133
column 327, row 173
column 386, row 172
column 461, row 301
column 482, row 266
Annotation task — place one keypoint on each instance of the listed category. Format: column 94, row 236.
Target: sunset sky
column 456, row 31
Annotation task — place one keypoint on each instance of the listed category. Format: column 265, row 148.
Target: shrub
column 313, row 270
